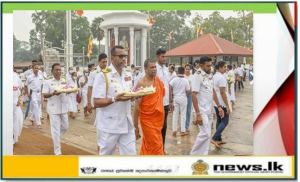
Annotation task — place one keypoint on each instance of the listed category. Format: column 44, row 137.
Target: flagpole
column 149, row 44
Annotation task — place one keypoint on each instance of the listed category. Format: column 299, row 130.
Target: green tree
column 96, row 31
column 212, row 24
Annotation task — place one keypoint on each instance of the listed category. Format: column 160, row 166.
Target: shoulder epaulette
column 64, row 77
column 49, row 77
column 128, row 69
column 107, row 70
column 198, row 72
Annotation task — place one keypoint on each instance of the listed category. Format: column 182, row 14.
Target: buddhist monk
column 150, row 110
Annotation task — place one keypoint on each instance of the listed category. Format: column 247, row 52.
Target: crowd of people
column 195, row 92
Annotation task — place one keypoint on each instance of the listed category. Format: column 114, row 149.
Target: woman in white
column 72, row 103
column 83, row 81
column 17, row 111
column 231, row 91
column 188, row 76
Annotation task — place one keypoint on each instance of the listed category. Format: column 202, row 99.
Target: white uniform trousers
column 59, row 125
column 201, row 145
column 35, row 105
column 126, row 143
column 84, row 98
column 180, row 103
column 97, row 131
column 17, row 122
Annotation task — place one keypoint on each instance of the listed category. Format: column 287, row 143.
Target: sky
column 23, row 24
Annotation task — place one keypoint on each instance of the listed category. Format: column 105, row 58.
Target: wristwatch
column 113, row 99
column 220, row 106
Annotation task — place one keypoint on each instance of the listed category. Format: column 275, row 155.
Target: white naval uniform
column 17, row 111
column 35, row 83
column 84, row 90
column 91, row 81
column 203, row 84
column 180, row 86
column 164, row 76
column 57, row 109
column 72, row 103
column 116, row 123
column 27, row 74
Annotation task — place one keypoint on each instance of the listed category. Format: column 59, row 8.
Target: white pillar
column 69, row 45
column 131, row 33
column 116, row 33
column 144, row 47
column 106, row 41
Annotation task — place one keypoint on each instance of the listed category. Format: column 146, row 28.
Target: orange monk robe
column 152, row 114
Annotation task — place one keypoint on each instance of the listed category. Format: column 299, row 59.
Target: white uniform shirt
column 136, row 79
column 85, row 86
column 172, row 76
column 116, row 117
column 57, row 104
column 79, row 74
column 30, row 72
column 180, row 86
column 92, row 76
column 220, row 81
column 202, row 83
column 163, row 75
column 35, row 82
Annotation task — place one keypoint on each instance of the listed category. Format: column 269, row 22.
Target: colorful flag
column 231, row 36
column 150, row 19
column 79, row 12
column 170, row 35
column 90, row 46
column 199, row 30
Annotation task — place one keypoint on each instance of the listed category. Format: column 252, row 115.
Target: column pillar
column 116, row 33
column 131, row 33
column 144, row 47
column 106, row 40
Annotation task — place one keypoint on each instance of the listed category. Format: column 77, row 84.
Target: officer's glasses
column 121, row 56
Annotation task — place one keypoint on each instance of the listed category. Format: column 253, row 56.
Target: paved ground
column 81, row 138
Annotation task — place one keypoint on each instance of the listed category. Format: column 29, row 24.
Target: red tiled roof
column 209, row 45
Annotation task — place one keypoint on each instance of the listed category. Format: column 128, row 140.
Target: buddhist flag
column 218, row 32
column 199, row 30
column 79, row 12
column 170, row 35
column 150, row 19
column 231, row 36
column 90, row 46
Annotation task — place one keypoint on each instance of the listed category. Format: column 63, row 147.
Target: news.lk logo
column 272, row 167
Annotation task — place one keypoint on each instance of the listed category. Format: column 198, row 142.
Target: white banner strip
column 187, row 167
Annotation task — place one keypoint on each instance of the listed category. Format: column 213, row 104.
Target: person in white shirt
column 240, row 71
column 231, row 91
column 68, row 75
column 83, row 81
column 221, row 88
column 188, row 76
column 72, row 103
column 137, row 77
column 56, row 107
column 203, row 95
column 79, row 74
column 114, row 120
column 43, row 71
column 179, row 88
column 17, row 111
column 33, row 90
column 172, row 73
column 195, row 69
column 102, row 63
column 163, row 75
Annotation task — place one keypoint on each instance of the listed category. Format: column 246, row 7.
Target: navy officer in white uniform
column 114, row 120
